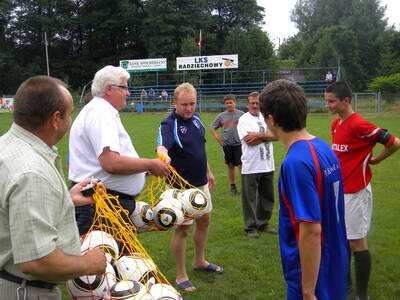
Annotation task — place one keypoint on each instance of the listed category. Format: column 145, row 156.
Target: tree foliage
column 84, row 35
column 388, row 84
column 253, row 47
column 341, row 32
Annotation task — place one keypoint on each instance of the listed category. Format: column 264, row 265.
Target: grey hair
column 106, row 76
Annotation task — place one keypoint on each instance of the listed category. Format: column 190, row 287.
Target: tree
column 290, row 48
column 388, row 84
column 389, row 50
column 85, row 35
column 229, row 14
column 359, row 22
column 253, row 46
column 7, row 63
column 168, row 23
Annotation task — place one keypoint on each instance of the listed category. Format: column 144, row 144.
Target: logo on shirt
column 183, row 129
column 340, row 148
column 196, row 123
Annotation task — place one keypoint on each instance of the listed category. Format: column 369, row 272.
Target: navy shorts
column 233, row 155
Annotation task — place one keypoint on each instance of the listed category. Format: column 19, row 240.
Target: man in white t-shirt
column 257, row 169
column 100, row 147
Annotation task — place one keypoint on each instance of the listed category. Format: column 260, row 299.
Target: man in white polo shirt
column 257, row 169
column 100, row 147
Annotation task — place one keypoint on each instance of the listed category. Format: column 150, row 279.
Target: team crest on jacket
column 183, row 129
column 196, row 123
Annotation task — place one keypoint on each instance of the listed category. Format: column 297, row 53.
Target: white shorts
column 205, row 190
column 358, row 212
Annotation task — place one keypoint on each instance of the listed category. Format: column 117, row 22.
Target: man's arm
column 217, row 137
column 162, row 153
column 57, row 266
column 310, row 257
column 254, row 138
column 386, row 152
column 210, row 177
column 115, row 163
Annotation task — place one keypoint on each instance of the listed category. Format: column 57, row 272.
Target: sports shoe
column 253, row 234
column 268, row 229
column 233, row 191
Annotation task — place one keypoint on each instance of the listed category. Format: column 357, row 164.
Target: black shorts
column 233, row 155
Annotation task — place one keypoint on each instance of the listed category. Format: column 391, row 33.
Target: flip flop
column 184, row 285
column 211, row 268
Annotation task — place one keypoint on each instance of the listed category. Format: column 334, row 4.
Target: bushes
column 387, row 84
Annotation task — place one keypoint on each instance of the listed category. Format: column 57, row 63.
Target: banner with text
column 144, row 65
column 207, row 62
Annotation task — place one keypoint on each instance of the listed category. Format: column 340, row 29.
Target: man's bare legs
column 178, row 247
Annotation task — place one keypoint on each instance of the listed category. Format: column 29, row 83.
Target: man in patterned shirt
column 39, row 241
column 353, row 140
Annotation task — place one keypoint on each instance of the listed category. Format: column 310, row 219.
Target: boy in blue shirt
column 312, row 232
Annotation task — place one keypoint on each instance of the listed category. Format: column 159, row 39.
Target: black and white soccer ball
column 171, row 193
column 136, row 267
column 89, row 287
column 194, row 203
column 168, row 213
column 142, row 216
column 130, row 290
column 163, row 291
column 103, row 240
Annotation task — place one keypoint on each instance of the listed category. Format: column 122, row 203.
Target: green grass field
column 252, row 266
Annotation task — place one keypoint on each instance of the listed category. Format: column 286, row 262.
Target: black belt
column 34, row 283
column 122, row 195
column 114, row 193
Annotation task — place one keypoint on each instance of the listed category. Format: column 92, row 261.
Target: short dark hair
column 286, row 102
column 229, row 97
column 340, row 89
column 36, row 99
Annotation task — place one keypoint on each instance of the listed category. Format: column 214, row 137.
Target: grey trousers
column 257, row 200
column 8, row 291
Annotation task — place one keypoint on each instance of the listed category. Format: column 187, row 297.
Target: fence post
column 355, row 101
column 378, row 102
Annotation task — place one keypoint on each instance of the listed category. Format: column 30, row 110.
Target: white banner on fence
column 207, row 62
column 7, row 103
column 144, row 65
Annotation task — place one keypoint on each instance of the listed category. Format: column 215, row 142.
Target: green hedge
column 387, row 84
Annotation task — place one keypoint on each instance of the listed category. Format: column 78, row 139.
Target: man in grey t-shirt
column 229, row 139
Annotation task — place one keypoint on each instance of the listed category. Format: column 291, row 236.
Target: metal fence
column 363, row 103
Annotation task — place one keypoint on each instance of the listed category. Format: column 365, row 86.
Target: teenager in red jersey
column 353, row 139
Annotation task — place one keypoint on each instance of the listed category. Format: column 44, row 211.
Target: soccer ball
column 164, row 291
column 171, row 193
column 142, row 216
column 92, row 286
column 168, row 213
column 136, row 267
column 100, row 239
column 129, row 290
column 194, row 203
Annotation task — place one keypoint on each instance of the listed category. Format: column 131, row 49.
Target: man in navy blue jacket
column 181, row 139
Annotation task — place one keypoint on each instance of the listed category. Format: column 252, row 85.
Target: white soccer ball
column 142, row 216
column 136, row 267
column 89, row 287
column 171, row 193
column 164, row 291
column 130, row 290
column 103, row 240
column 194, row 203
column 168, row 213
